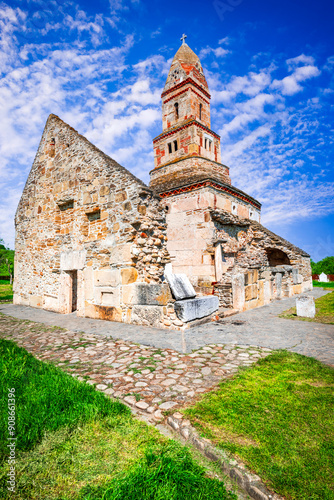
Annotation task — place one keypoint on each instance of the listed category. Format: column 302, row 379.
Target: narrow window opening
column 170, row 148
column 66, row 205
column 210, row 143
column 95, row 215
column 205, row 144
column 176, row 106
column 200, row 111
column 175, row 146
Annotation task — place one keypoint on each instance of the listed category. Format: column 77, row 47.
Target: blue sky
column 101, row 67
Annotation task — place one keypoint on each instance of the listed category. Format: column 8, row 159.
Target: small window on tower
column 205, row 144
column 200, row 111
column 176, row 106
column 175, row 146
column 210, row 143
column 170, row 148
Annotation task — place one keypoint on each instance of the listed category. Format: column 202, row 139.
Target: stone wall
column 191, row 233
column 90, row 236
column 247, row 250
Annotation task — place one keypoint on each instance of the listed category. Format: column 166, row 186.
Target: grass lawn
column 324, row 311
column 75, row 443
column 6, row 290
column 321, row 284
column 278, row 417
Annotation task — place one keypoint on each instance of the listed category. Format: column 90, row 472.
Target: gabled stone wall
column 90, row 236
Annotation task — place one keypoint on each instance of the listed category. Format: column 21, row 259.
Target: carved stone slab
column 180, row 286
column 190, row 309
column 305, row 306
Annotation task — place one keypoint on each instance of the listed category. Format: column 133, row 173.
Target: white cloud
column 218, row 52
column 291, row 85
column 268, row 143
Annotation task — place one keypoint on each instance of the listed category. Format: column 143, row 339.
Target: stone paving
column 260, row 327
column 146, row 378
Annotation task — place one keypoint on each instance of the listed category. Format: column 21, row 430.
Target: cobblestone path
column 260, row 327
column 146, row 378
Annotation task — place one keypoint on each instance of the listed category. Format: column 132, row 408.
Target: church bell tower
column 187, row 149
column 188, row 174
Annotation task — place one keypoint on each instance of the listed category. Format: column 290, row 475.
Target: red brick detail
column 182, row 127
column 182, row 92
column 212, row 184
column 182, row 84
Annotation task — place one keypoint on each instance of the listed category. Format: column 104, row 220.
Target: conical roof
column 185, row 64
column 186, row 56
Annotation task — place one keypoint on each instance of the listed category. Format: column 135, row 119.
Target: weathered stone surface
column 147, row 315
column 238, row 290
column 72, row 260
column 305, row 306
column 146, row 294
column 168, row 405
column 180, row 286
column 190, row 309
column 129, row 275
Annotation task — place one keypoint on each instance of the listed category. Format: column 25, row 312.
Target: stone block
column 250, row 292
column 180, row 286
column 107, row 277
column 278, row 282
column 190, row 309
column 295, row 275
column 305, row 306
column 238, row 291
column 51, row 303
column 129, row 275
column 36, row 301
column 121, row 254
column 108, row 313
column 150, row 315
column 89, row 283
column 251, row 277
column 146, row 294
column 111, row 297
column 74, row 260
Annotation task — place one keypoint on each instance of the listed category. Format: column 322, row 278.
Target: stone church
column 92, row 238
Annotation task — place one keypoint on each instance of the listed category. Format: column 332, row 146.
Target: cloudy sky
column 101, row 67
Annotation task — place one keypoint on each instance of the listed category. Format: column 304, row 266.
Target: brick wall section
column 84, row 217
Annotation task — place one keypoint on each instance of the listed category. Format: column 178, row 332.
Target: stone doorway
column 74, row 289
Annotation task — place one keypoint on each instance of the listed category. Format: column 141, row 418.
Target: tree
column 6, row 261
column 325, row 265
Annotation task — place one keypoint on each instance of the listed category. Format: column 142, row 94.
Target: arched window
column 277, row 257
column 176, row 106
column 200, row 111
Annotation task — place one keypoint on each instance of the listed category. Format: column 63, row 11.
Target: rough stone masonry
column 92, row 238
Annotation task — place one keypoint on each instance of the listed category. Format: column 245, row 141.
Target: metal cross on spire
column 183, row 39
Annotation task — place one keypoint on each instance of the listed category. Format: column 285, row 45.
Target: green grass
column 321, row 284
column 47, row 398
column 324, row 308
column 278, row 418
column 6, row 291
column 75, row 443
